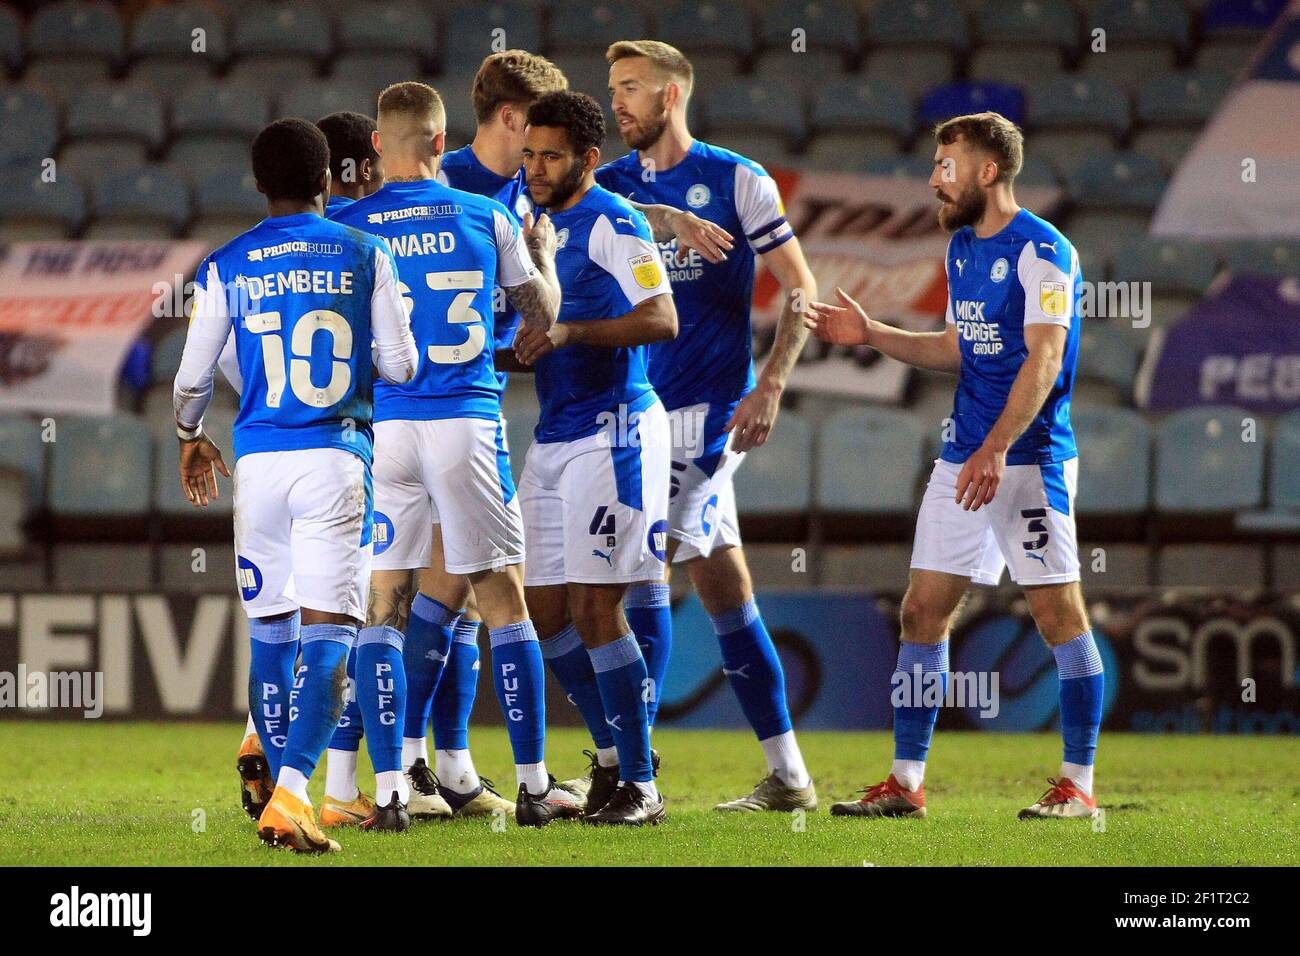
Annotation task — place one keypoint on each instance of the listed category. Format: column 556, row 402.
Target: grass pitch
column 145, row 794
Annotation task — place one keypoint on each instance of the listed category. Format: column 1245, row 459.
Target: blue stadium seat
column 11, row 42
column 221, row 109
column 779, row 480
column 1078, row 102
column 168, row 31
column 1153, row 23
column 1202, row 464
column 101, row 467
column 473, row 29
column 868, row 460
column 317, row 98
column 280, row 29
column 900, row 167
column 31, row 126
column 1114, row 460
column 1188, row 97
column 855, row 117
column 698, row 27
column 117, row 111
column 1284, row 477
column 21, row 449
column 194, row 158
column 924, row 23
column 1235, row 17
column 750, row 109
column 1028, row 23
column 831, row 25
column 231, row 191
column 591, row 28
column 958, row 99
column 1168, row 265
column 32, row 209
column 1116, row 180
column 378, row 69
column 1035, row 171
column 1107, row 355
column 391, row 28
column 1264, row 257
column 149, row 199
column 71, row 28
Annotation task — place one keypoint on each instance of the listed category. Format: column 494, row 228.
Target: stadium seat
column 73, row 43
column 1106, row 355
column 777, row 484
column 31, row 126
column 868, row 461
column 756, row 118
column 1231, row 30
column 921, row 23
column 1264, row 257
column 221, row 108
column 912, row 69
column 392, row 28
column 1116, row 181
column 33, row 209
column 461, row 120
column 226, row 203
column 1170, row 266
column 11, row 42
column 147, row 203
column 1203, row 465
column 1185, row 98
column 830, row 26
column 22, row 450
column 168, row 499
column 1114, row 460
column 1073, row 116
column 162, row 45
column 852, row 118
column 317, row 98
column 1036, row 171
column 378, row 69
column 100, row 467
column 591, row 28
column 1284, row 463
column 116, row 112
column 1143, row 38
column 1023, row 38
column 803, row 73
column 958, row 99
column 472, row 32
column 279, row 30
column 715, row 34
column 899, row 167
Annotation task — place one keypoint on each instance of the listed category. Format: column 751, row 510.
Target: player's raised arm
column 210, row 324
column 691, row 232
column 527, row 270
column 395, row 354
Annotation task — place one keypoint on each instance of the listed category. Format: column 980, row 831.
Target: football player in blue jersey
column 1002, row 490
column 355, row 168
column 595, row 482
column 306, row 299
column 439, row 442
column 718, row 409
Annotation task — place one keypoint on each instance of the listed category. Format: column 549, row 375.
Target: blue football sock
column 270, row 681
column 571, row 665
column 750, row 661
column 428, row 642
column 621, row 674
column 520, row 679
column 914, row 723
column 454, row 699
column 1082, row 690
column 317, row 699
column 348, row 734
column 381, row 692
column 650, row 615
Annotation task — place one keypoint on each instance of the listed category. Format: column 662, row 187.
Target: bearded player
column 1002, row 491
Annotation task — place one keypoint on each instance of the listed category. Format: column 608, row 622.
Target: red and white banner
column 878, row 238
column 69, row 312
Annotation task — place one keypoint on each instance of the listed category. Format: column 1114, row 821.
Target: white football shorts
column 303, row 531
column 1028, row 526
column 454, row 472
column 702, row 466
column 596, row 509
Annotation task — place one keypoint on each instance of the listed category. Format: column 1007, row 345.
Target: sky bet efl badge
column 1051, row 297
column 645, row 268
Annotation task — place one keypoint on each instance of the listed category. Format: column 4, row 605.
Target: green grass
column 100, row 793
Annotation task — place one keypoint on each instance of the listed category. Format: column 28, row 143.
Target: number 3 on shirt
column 466, row 285
column 304, row 330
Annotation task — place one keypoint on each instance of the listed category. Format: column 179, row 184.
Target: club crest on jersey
column 561, row 237
column 1051, row 298
column 698, row 195
column 383, row 532
column 249, row 578
column 522, row 206
column 645, row 269
column 657, row 539
column 999, row 270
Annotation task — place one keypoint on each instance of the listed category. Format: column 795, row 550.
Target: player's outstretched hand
column 844, row 324
column 707, row 238
column 200, row 462
column 751, row 423
column 539, row 236
column 979, row 478
column 533, row 343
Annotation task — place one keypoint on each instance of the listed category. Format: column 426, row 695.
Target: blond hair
column 668, row 60
column 413, row 98
column 513, row 76
column 992, row 133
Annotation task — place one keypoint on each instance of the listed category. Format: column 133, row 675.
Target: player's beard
column 966, row 209
column 567, row 186
column 642, row 135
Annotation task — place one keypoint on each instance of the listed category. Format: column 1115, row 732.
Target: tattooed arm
column 391, row 594
column 691, row 232
column 537, row 297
